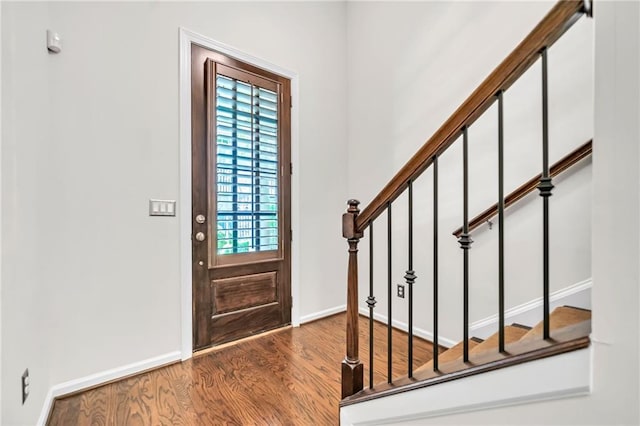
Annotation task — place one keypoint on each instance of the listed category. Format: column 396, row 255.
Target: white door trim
column 186, row 39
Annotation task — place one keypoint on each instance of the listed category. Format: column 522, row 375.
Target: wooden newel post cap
column 349, row 221
column 353, row 206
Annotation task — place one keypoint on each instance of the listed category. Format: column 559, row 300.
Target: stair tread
column 562, row 316
column 526, row 327
column 451, row 354
column 511, row 334
column 562, row 319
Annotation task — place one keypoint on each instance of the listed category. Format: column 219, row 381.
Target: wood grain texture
column 246, row 322
column 566, row 162
column 422, row 352
column 511, row 334
column 554, row 24
column 562, row 316
column 199, row 201
column 450, row 354
column 288, row 377
column 235, row 293
column 352, row 370
column 238, row 308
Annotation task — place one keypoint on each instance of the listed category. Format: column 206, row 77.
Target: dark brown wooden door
column 241, row 179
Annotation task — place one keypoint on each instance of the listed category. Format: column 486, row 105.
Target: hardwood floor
column 289, row 377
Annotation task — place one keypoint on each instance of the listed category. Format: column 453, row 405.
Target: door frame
column 188, row 37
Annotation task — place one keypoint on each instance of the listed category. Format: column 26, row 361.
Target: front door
column 241, row 179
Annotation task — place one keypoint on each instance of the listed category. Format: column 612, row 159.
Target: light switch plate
column 162, row 207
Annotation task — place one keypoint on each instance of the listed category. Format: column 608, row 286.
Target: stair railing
column 565, row 163
column 354, row 222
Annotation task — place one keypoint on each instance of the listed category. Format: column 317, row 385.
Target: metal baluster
column 435, row 263
column 371, row 302
column 410, row 278
column 389, row 298
column 465, row 242
column 500, row 223
column 545, row 187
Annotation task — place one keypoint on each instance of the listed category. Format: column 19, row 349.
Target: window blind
column 246, row 167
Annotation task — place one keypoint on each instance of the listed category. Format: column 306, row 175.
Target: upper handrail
column 563, row 164
column 554, row 24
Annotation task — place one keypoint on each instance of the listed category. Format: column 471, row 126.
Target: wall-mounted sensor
column 54, row 45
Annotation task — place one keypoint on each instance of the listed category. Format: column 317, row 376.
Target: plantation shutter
column 246, row 162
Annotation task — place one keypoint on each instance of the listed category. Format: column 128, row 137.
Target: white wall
column 411, row 65
column 90, row 281
column 0, row 218
column 26, row 341
column 615, row 244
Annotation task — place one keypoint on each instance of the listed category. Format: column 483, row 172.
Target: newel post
column 352, row 368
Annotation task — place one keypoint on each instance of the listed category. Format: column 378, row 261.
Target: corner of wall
column 0, row 213
column 24, row 301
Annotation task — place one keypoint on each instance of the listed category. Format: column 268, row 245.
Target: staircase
column 562, row 331
column 523, row 343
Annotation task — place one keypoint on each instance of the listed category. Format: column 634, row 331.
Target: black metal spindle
column 500, row 223
column 371, row 302
column 410, row 278
column 435, row 263
column 465, row 242
column 545, row 187
column 389, row 299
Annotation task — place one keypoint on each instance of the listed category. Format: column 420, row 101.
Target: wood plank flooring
column 289, row 377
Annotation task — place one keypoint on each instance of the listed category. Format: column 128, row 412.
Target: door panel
column 241, row 199
column 232, row 294
column 236, row 325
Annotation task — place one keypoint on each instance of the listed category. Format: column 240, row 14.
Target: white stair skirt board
column 530, row 313
column 418, row 332
column 321, row 314
column 103, row 377
column 568, row 374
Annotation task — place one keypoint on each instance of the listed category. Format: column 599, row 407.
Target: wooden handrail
column 563, row 164
column 554, row 24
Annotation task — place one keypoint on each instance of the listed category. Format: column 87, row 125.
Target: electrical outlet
column 401, row 291
column 25, row 385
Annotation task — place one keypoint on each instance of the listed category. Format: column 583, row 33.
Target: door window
column 246, row 167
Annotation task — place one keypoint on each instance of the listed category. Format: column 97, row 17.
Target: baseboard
column 321, row 314
column 578, row 295
column 530, row 313
column 420, row 332
column 103, row 377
